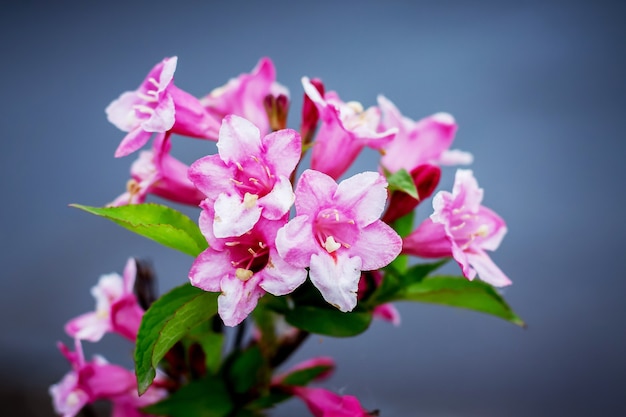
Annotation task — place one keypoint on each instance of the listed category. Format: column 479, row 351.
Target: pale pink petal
column 283, row 151
column 234, row 217
column 134, row 140
column 210, row 176
column 121, row 112
column 365, row 195
column 487, row 270
column 239, row 139
column 278, row 201
column 129, row 275
column 163, row 116
column 496, row 226
column 456, row 157
column 167, row 72
column 208, row 270
column 466, row 187
column 295, row 242
column 462, row 258
column 192, row 119
column 337, row 278
column 377, row 245
column 238, row 299
column 67, row 398
column 89, row 326
column 313, row 190
column 279, row 277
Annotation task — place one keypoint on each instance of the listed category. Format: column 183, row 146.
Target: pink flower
column 326, row 363
column 345, row 130
column 157, row 172
column 324, row 403
column 416, row 143
column 249, row 177
column 244, row 96
column 117, row 308
column 338, row 234
column 159, row 106
column 243, row 268
column 88, row 382
column 461, row 227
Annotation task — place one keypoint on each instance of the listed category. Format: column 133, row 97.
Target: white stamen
column 143, row 109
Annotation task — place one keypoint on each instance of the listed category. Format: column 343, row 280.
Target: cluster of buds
column 339, row 237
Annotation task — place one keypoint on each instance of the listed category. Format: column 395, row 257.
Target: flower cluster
column 300, row 249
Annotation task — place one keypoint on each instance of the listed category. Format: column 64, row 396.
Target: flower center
column 333, row 230
column 466, row 227
column 248, row 256
column 253, row 179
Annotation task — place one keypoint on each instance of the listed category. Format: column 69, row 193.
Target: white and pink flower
column 346, row 128
column 159, row 106
column 117, row 308
column 249, row 177
column 337, row 233
column 462, row 228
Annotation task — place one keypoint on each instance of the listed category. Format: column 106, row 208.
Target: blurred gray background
column 539, row 93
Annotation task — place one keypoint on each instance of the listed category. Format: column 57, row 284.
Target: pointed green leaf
column 162, row 224
column 206, row 397
column 460, row 292
column 402, row 181
column 304, row 376
column 246, row 369
column 330, row 322
column 167, row 320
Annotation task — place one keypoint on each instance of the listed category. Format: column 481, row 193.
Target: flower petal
column 314, row 191
column 337, row 278
column 234, row 217
column 238, row 299
column 278, row 201
column 134, row 140
column 209, row 268
column 377, row 245
column 238, row 139
column 365, row 195
column 282, row 151
column 279, row 277
column 487, row 270
column 295, row 242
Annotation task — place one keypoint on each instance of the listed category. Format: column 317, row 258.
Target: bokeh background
column 538, row 89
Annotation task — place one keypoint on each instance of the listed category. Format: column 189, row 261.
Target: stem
column 241, row 330
column 286, row 348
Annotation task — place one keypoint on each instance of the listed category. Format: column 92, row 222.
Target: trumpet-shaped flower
column 249, row 177
column 461, row 227
column 157, row 172
column 345, row 130
column 337, row 233
column 426, row 141
column 244, row 96
column 88, row 382
column 243, row 268
column 117, row 309
column 159, row 106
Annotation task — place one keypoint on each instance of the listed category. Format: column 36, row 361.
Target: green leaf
column 162, row 224
column 211, row 343
column 246, row 369
column 330, row 322
column 404, row 225
column 460, row 292
column 205, row 397
column 402, row 181
column 167, row 320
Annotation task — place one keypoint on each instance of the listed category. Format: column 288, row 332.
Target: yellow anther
column 249, row 200
column 331, row 244
column 243, row 274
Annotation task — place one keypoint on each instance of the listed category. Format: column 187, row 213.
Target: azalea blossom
column 243, row 268
column 346, row 128
column 462, row 228
column 337, row 233
column 244, row 96
column 159, row 106
column 157, row 172
column 426, row 141
column 249, row 177
column 88, row 382
column 117, row 308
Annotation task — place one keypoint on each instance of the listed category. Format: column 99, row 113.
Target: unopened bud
column 277, row 109
column 426, row 177
column 310, row 114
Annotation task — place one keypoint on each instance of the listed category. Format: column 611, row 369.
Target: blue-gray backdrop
column 538, row 90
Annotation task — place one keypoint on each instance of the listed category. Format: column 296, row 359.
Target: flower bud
column 310, row 114
column 426, row 177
